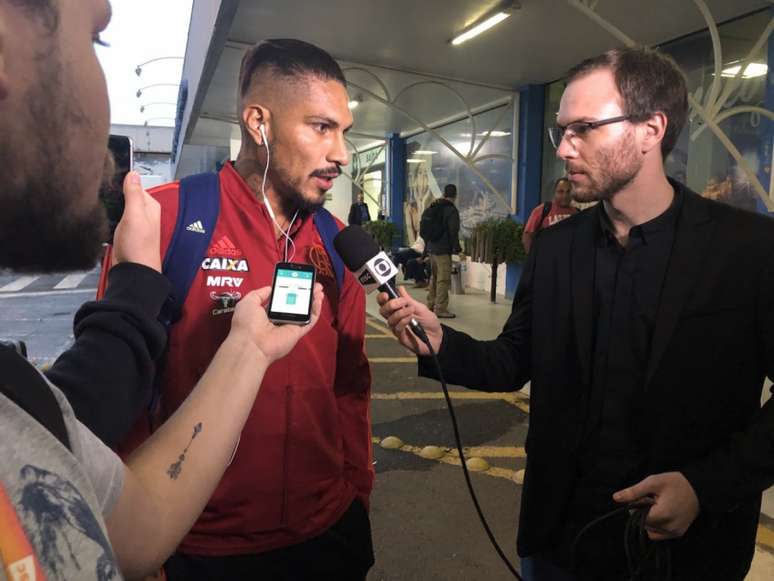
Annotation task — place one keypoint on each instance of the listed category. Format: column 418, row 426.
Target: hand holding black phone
column 292, row 293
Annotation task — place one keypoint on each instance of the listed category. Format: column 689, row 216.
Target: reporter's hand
column 674, row 504
column 251, row 323
column 398, row 313
column 138, row 235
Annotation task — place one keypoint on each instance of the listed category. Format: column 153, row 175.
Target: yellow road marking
column 491, row 451
column 451, row 457
column 515, row 399
column 392, row 359
column 378, row 327
column 765, row 536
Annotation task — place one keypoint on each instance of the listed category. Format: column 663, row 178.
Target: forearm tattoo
column 174, row 469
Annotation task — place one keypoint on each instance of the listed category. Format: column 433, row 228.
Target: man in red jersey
column 293, row 504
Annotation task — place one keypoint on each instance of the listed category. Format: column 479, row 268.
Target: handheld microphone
column 372, row 267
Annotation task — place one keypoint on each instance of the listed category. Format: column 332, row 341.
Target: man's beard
column 290, row 193
column 42, row 229
column 616, row 168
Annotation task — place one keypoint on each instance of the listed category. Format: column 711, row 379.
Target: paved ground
column 425, row 527
column 39, row 309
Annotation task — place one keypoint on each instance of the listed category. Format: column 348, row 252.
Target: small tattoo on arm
column 174, row 469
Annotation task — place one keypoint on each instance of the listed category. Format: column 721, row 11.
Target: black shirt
column 627, row 288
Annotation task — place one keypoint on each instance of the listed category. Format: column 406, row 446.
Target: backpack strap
column 328, row 229
column 26, row 387
column 198, row 209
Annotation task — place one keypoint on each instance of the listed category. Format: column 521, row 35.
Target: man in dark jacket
column 358, row 212
column 646, row 327
column 440, row 251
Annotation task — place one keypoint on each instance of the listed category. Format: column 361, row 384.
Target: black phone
column 112, row 191
column 292, row 292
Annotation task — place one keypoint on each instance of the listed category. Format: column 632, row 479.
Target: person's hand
column 138, row 235
column 398, row 313
column 674, row 504
column 251, row 323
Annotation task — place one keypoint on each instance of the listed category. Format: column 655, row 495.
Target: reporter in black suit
column 646, row 326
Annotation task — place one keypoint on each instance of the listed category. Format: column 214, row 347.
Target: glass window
column 482, row 193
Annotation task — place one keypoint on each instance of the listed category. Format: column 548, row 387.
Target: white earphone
column 266, row 200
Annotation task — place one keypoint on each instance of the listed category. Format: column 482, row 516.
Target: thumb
column 133, row 192
column 404, row 293
column 636, row 492
column 263, row 293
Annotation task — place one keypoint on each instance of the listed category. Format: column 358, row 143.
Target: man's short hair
column 289, row 58
column 648, row 81
column 450, row 191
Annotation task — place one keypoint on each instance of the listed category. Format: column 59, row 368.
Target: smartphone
column 292, row 293
column 112, row 191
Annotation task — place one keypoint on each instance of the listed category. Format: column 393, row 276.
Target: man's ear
column 253, row 117
column 4, row 80
column 654, row 130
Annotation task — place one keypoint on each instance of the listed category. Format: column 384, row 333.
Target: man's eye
column 578, row 128
column 322, row 127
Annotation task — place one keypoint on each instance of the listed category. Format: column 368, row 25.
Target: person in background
column 549, row 213
column 358, row 212
column 414, row 262
column 441, row 249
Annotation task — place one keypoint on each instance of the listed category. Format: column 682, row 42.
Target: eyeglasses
column 579, row 128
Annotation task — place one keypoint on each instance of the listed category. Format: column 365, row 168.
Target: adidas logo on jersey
column 197, row 227
column 224, row 247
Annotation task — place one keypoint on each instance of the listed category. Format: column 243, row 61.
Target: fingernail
column 134, row 178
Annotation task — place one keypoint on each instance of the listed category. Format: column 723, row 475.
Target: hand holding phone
column 292, row 293
column 138, row 235
column 250, row 323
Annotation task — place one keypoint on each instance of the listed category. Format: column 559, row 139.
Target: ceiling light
column 413, row 160
column 353, row 104
column 752, row 70
column 491, row 134
column 424, row 152
column 485, row 23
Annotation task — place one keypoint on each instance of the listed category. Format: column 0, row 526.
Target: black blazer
column 713, row 344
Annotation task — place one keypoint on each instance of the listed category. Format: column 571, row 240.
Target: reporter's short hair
column 649, row 81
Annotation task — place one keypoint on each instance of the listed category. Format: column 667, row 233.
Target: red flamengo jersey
column 305, row 451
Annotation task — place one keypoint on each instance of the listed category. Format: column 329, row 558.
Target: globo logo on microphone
column 376, row 272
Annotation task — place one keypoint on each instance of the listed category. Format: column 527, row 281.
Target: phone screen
column 291, row 296
column 112, row 191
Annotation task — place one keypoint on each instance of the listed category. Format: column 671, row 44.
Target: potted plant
column 494, row 241
column 383, row 231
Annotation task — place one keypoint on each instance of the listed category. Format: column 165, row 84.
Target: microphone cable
column 645, row 559
column 641, row 554
column 420, row 333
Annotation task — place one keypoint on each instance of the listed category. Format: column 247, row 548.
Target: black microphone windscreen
column 355, row 246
